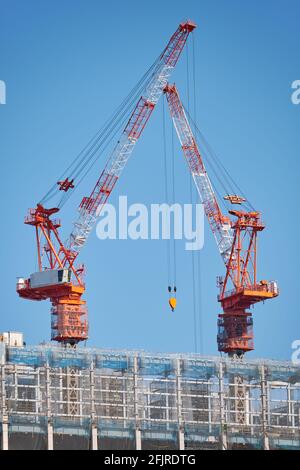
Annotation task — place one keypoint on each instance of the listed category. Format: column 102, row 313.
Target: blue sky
column 67, row 65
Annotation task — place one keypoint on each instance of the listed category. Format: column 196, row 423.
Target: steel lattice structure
column 69, row 312
column 107, row 399
column 236, row 241
column 236, row 236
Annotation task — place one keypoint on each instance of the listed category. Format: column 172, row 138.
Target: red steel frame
column 69, row 313
column 235, row 334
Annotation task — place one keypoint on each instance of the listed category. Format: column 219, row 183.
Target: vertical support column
column 4, row 433
column 237, row 392
column 80, row 391
column 264, row 408
column 94, row 437
column 179, row 405
column 291, row 415
column 15, row 376
column 209, row 408
column 94, row 429
column 167, row 405
column 73, row 390
column 138, row 436
column 124, row 395
column 223, row 434
column 61, row 396
column 48, row 406
column 37, row 391
column 4, row 415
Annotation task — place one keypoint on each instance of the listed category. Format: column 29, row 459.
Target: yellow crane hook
column 172, row 300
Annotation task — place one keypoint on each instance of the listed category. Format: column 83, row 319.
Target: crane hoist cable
column 102, row 137
column 69, row 312
column 194, row 280
column 173, row 294
column 106, row 126
column 209, row 163
column 193, row 121
column 236, row 239
column 211, row 158
column 66, row 196
column 198, row 253
column 207, row 152
column 173, row 199
column 127, row 105
column 111, row 134
column 166, row 182
column 172, row 288
column 234, row 184
column 191, row 202
column 113, row 126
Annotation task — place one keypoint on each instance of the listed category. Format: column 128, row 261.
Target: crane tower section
column 58, row 279
column 237, row 243
column 68, row 313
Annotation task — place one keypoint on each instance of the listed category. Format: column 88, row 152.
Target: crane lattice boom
column 60, row 281
column 220, row 224
column 236, row 241
column 53, row 281
column 91, row 206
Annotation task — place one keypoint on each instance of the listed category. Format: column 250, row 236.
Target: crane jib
column 219, row 223
column 93, row 204
column 69, row 322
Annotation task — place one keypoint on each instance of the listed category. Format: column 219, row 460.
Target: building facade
column 61, row 398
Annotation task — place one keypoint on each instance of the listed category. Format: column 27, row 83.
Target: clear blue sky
column 67, row 64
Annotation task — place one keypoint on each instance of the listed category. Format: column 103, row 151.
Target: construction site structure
column 64, row 398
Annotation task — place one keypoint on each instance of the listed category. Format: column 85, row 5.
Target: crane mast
column 236, row 241
column 59, row 280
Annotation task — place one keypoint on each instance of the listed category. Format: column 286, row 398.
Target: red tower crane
column 236, row 240
column 58, row 278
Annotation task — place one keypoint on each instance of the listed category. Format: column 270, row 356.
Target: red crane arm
column 236, row 242
column 92, row 205
column 69, row 313
column 219, row 223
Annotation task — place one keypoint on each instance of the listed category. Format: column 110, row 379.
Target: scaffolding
column 62, row 398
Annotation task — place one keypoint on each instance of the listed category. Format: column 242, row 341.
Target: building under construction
column 63, row 398
column 69, row 397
